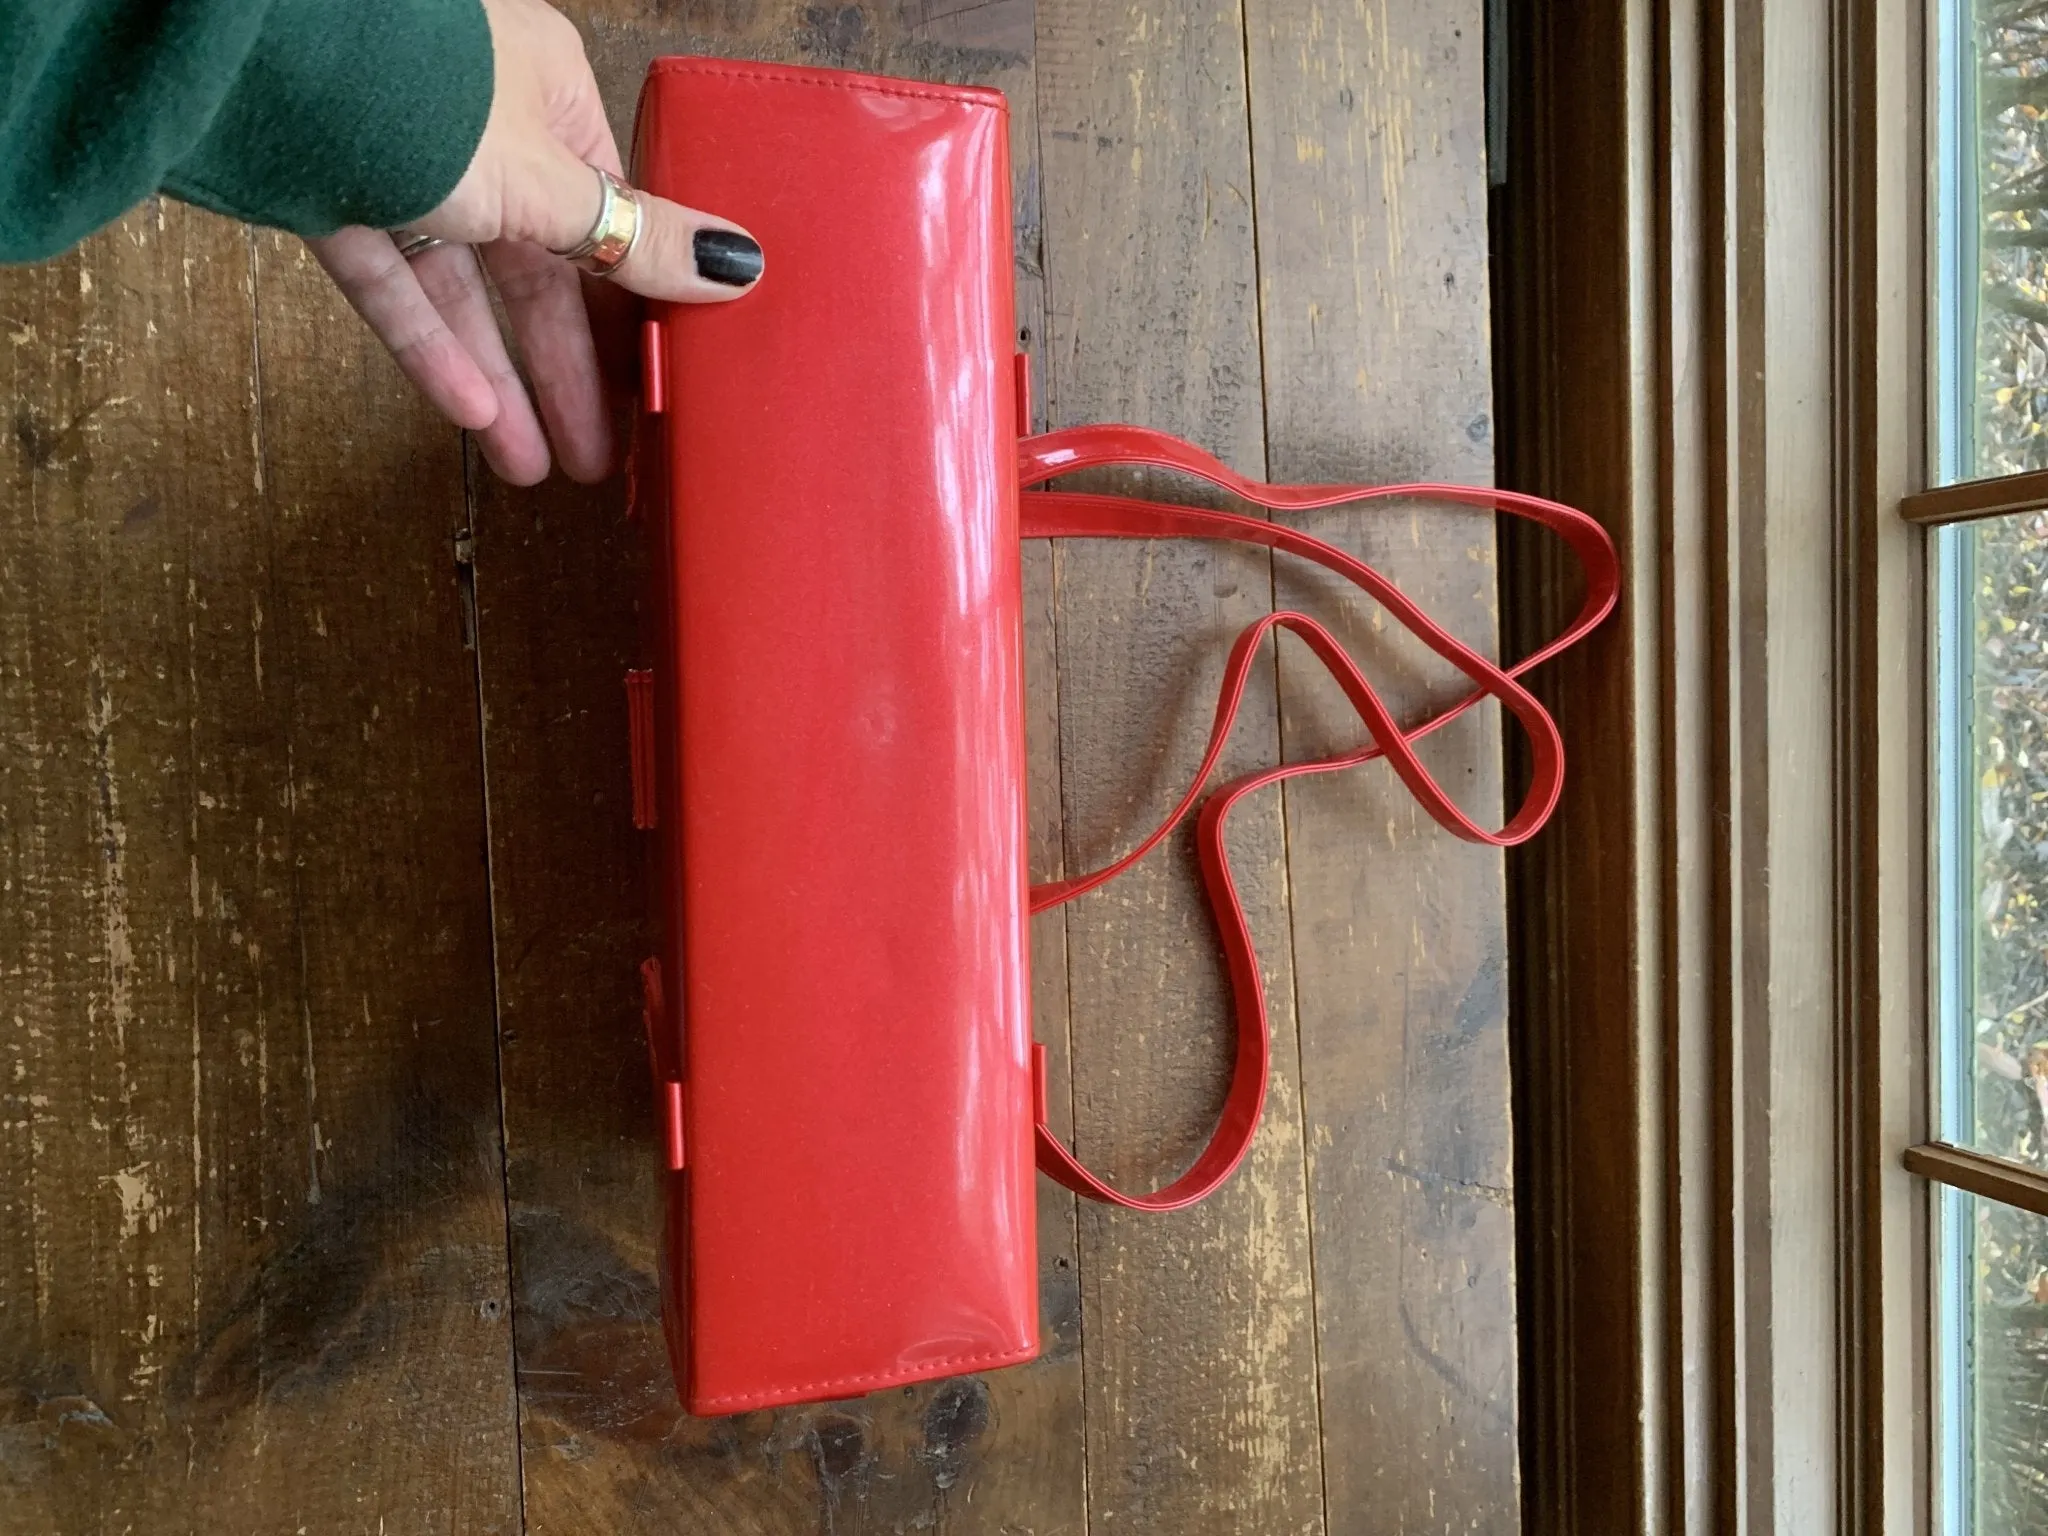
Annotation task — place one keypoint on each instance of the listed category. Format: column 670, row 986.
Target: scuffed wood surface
column 252, row 1265
column 1200, row 1356
column 291, row 1239
column 1368, row 131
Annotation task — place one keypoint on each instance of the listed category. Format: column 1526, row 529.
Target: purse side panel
column 848, row 912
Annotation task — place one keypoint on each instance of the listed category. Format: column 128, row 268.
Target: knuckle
column 384, row 282
column 525, row 284
column 566, row 36
column 503, row 376
column 410, row 344
column 446, row 283
column 663, row 247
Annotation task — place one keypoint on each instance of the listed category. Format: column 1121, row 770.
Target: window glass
column 1989, row 387
column 1990, row 180
column 1991, row 782
column 1992, row 1352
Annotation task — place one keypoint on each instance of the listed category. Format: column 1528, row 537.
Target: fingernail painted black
column 726, row 256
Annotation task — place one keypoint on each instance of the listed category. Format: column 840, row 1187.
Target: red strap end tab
column 640, row 725
column 672, row 1123
column 653, row 385
column 1038, row 1082
column 1021, row 370
column 667, row 1090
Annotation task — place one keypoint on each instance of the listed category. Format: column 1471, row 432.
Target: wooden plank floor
column 327, row 1198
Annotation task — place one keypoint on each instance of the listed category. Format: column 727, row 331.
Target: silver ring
column 614, row 234
column 410, row 246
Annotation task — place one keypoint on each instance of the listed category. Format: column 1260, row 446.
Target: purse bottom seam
column 915, row 1373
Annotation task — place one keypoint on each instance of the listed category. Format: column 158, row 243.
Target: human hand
column 530, row 189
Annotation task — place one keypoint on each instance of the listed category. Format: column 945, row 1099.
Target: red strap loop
column 1061, row 514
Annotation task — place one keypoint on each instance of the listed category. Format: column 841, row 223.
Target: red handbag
column 829, row 743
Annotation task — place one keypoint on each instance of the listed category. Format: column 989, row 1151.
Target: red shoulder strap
column 1062, row 514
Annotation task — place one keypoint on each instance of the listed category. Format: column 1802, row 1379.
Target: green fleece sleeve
column 304, row 114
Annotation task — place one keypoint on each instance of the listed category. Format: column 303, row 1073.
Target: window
column 1988, row 386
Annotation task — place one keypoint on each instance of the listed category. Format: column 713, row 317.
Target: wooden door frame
column 1708, row 261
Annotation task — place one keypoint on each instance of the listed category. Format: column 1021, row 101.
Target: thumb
column 681, row 255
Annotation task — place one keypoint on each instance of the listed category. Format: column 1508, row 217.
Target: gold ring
column 616, row 232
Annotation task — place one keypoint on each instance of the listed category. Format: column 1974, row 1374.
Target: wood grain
column 1614, row 1287
column 1368, row 135
column 252, row 1146
column 265, row 871
column 1200, row 1361
column 607, row 1448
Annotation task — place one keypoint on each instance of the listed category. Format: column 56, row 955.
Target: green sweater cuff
column 363, row 112
column 307, row 114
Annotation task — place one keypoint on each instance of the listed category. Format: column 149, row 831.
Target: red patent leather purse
column 829, row 743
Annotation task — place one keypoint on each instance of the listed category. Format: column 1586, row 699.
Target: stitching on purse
column 965, row 96
column 1001, row 1356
